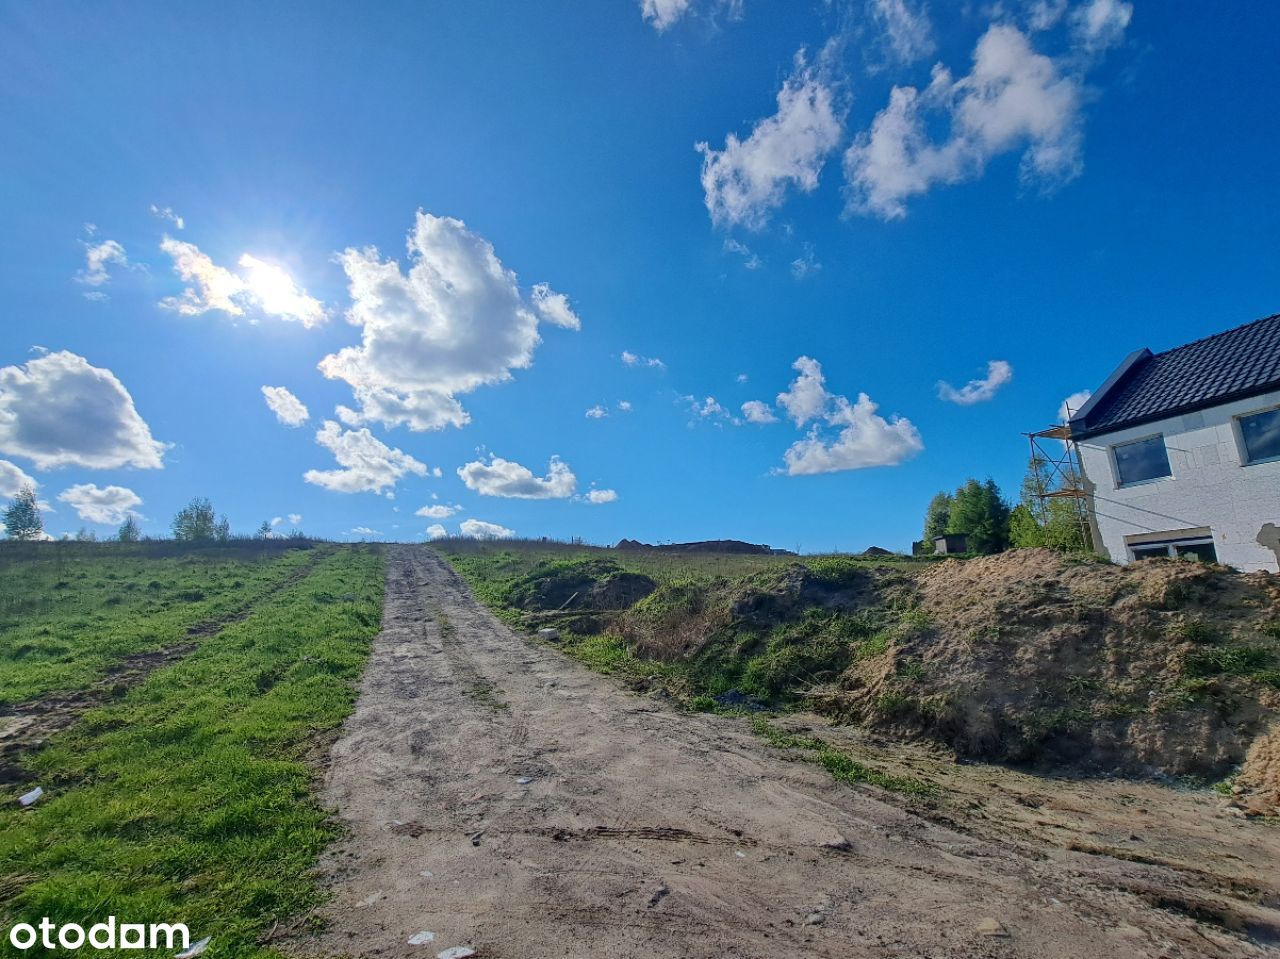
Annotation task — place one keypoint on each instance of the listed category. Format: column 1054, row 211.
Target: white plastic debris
column 457, row 952
column 523, row 781
column 195, row 949
column 427, row 874
column 549, row 633
column 740, row 855
column 418, row 938
column 26, row 799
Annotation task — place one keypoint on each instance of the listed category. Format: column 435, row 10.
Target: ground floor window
column 1201, row 549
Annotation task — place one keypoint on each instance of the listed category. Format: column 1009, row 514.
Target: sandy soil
column 504, row 799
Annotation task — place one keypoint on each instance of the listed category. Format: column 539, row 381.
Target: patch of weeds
column 1083, row 685
column 703, row 704
column 1228, row 660
column 909, row 669
column 483, row 692
column 1192, row 631
column 842, row 767
column 894, row 703
column 875, row 645
column 1270, row 629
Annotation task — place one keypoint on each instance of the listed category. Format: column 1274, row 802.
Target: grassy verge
column 189, row 799
column 843, row 767
column 67, row 617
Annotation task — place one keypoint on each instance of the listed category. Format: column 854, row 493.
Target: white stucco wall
column 1209, row 486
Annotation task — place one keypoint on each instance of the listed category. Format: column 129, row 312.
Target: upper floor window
column 1141, row 460
column 1260, row 433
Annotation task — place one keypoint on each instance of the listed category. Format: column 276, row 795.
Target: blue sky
column 445, row 228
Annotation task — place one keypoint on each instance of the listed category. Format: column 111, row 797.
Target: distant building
column 951, row 543
column 1180, row 451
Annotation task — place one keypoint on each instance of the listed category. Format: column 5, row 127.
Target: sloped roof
column 1149, row 386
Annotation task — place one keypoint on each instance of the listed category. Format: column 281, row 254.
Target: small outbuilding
column 951, row 543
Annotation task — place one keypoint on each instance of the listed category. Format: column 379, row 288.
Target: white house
column 1181, row 451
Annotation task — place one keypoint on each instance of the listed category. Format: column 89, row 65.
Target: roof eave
column 1084, row 434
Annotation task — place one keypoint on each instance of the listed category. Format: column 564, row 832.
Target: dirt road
column 504, row 799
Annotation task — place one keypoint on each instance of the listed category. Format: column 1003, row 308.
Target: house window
column 1141, row 460
column 1260, row 433
column 1201, row 549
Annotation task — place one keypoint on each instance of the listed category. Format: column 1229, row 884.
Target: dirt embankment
column 1163, row 668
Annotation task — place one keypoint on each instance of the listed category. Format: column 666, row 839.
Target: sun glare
column 276, row 292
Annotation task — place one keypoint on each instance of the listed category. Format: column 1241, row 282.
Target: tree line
column 197, row 522
column 978, row 511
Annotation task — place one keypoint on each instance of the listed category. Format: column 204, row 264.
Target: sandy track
column 644, row 832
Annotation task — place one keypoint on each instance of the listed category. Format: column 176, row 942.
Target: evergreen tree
column 264, row 531
column 129, row 531
column 936, row 517
column 980, row 514
column 22, row 518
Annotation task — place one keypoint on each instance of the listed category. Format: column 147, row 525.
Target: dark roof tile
column 1239, row 362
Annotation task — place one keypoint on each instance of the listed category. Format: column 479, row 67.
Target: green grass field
column 188, row 796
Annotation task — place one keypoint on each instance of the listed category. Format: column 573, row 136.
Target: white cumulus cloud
column 436, row 531
column 166, row 213
column 479, row 529
column 663, row 13
column 635, row 359
column 865, row 439
column 744, row 182
column 295, row 518
column 907, row 30
column 264, row 287
column 106, row 504
column 1013, row 99
column 862, row 437
column 597, row 412
column 438, row 511
column 289, row 410
column 97, row 258
column 554, row 307
column 505, row 478
column 979, row 390
column 1072, row 404
column 57, row 410
column 454, row 322
column 12, row 479
column 368, row 464
column 598, row 496
column 806, row 397
column 754, row 411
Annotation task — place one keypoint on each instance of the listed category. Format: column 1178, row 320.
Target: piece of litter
column 195, row 949
column 457, row 952
column 523, row 781
column 28, row 798
column 549, row 633
column 418, row 938
column 989, row 927
column 427, row 874
column 475, row 839
column 740, row 855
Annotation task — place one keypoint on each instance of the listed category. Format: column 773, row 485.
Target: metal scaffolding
column 1063, row 477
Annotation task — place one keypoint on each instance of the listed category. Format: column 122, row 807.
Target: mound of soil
column 588, row 586
column 703, row 546
column 1162, row 667
column 1259, row 779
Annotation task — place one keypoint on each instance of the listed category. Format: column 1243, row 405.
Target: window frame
column 1172, row 548
column 1115, row 462
column 1241, row 446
